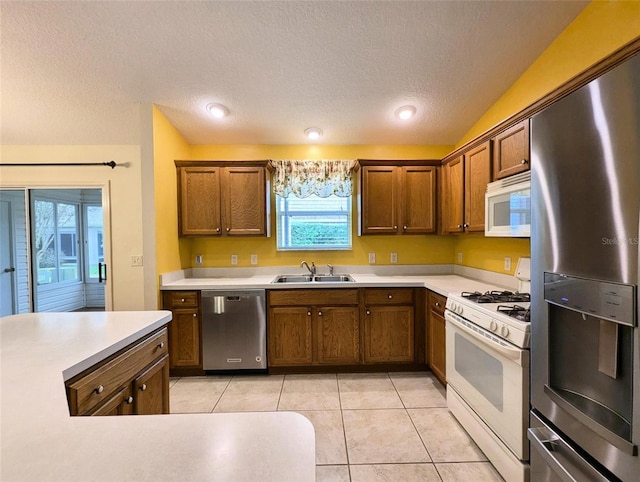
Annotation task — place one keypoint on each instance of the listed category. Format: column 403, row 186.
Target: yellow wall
column 481, row 252
column 600, row 29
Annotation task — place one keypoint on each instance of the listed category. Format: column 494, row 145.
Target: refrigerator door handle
column 552, row 448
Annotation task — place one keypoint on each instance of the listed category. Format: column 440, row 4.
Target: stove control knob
column 504, row 331
column 493, row 326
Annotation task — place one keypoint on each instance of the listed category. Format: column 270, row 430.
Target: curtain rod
column 111, row 164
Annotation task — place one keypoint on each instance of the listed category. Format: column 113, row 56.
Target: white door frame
column 106, row 219
column 10, row 247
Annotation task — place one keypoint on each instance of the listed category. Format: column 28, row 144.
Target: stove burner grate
column 514, row 311
column 496, row 296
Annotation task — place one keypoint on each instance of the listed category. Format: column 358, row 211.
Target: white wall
column 126, row 283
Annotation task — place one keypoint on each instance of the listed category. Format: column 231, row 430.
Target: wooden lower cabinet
column 388, row 332
column 185, row 328
column 290, row 336
column 436, row 336
column 338, row 335
column 134, row 381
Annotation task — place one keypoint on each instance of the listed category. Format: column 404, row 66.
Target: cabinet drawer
column 99, row 384
column 437, row 303
column 181, row 299
column 313, row 297
column 384, row 296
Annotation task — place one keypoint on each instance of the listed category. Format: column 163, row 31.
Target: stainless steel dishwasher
column 234, row 330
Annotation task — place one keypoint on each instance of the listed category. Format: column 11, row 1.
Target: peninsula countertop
column 41, row 441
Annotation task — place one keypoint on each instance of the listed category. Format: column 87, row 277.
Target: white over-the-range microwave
column 508, row 207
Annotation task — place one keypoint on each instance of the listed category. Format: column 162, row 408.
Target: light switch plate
column 372, row 258
column 234, row 259
column 136, row 260
column 459, row 257
column 507, row 263
column 394, row 257
column 254, row 259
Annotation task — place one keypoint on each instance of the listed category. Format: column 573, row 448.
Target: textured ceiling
column 76, row 72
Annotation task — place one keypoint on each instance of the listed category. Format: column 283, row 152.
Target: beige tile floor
column 369, row 427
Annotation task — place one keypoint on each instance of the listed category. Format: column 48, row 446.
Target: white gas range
column 488, row 372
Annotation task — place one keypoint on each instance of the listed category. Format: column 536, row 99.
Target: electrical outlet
column 254, row 259
column 372, row 258
column 234, row 259
column 507, row 263
column 394, row 257
column 459, row 257
column 136, row 260
column 199, row 259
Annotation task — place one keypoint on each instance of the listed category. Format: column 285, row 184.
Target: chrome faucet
column 330, row 269
column 311, row 269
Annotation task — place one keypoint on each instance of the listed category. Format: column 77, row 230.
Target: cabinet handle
column 308, row 313
column 161, row 345
column 319, row 313
column 99, row 389
column 524, row 161
column 129, row 400
column 390, row 297
column 217, row 230
column 368, row 312
column 143, row 387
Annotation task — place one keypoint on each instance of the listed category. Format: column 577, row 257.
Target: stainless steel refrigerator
column 585, row 385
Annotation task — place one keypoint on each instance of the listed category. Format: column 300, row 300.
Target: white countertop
column 443, row 284
column 41, row 441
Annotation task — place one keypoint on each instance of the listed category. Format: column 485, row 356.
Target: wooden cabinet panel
column 181, row 299
column 309, row 297
column 151, row 389
column 199, row 201
column 338, row 335
column 185, row 339
column 511, row 151
column 418, row 200
column 388, row 296
column 477, row 175
column 244, row 199
column 436, row 335
column 455, row 195
column 290, row 336
column 120, row 404
column 379, row 199
column 388, row 334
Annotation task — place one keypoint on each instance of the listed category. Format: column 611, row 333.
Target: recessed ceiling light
column 313, row 132
column 218, row 110
column 406, row 112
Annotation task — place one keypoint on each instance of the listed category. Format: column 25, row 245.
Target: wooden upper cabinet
column 219, row 198
column 477, row 174
column 398, row 199
column 467, row 177
column 511, row 151
column 454, row 195
column 199, row 201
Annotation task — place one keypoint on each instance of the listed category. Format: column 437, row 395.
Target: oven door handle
column 513, row 354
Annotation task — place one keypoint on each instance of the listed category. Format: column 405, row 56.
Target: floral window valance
column 302, row 178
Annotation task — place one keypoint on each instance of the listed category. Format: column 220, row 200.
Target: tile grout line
column 344, row 429
column 221, row 394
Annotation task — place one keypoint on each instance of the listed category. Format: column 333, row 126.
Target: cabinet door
column 436, row 339
column 388, row 334
column 338, row 335
column 455, row 195
column 199, row 201
column 477, row 174
column 379, row 200
column 184, row 347
column 418, row 205
column 151, row 389
column 120, row 404
column 290, row 336
column 511, row 151
column 244, row 201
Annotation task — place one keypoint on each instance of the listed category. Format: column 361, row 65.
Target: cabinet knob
column 404, row 228
column 99, row 389
column 395, row 227
column 368, row 312
column 308, row 313
column 143, row 387
column 129, row 400
column 161, row 345
column 390, row 297
column 228, row 229
column 181, row 300
column 459, row 226
column 319, row 313
column 465, row 225
column 217, row 230
column 437, row 304
column 524, row 161
column 195, row 315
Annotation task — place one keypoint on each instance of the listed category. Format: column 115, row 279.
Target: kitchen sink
column 324, row 278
